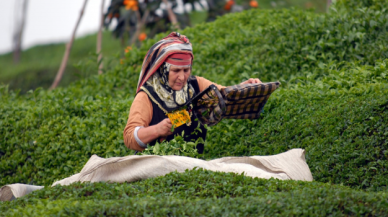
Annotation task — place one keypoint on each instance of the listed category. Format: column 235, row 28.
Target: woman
column 165, row 84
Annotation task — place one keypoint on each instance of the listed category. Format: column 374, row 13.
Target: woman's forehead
column 179, row 67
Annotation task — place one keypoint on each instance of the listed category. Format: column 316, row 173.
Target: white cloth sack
column 10, row 192
column 284, row 166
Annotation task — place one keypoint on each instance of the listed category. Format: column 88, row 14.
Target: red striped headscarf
column 173, row 49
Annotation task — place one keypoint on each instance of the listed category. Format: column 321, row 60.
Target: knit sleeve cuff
column 141, row 144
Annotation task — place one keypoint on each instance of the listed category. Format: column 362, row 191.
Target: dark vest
column 159, row 115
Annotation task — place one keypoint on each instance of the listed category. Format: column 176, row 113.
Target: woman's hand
column 252, row 81
column 160, row 130
column 164, row 128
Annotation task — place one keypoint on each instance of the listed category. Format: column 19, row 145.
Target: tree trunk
column 328, row 5
column 141, row 21
column 18, row 34
column 99, row 39
column 62, row 68
column 171, row 15
column 125, row 35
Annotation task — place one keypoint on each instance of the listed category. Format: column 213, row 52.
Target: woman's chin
column 177, row 87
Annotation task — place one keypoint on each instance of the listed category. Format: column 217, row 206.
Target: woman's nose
column 181, row 76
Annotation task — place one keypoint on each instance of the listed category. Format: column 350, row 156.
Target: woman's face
column 177, row 78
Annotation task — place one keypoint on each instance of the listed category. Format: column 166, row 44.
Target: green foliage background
column 40, row 64
column 333, row 103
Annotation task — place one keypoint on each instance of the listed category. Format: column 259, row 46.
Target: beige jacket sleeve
column 141, row 111
column 203, row 83
column 140, row 115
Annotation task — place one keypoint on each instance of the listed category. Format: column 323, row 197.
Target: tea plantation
column 333, row 103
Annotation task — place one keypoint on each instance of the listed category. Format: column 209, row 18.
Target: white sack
column 10, row 192
column 284, row 166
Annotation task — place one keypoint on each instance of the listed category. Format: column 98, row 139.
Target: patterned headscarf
column 175, row 49
column 174, row 43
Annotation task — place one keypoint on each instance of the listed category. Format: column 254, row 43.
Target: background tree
column 20, row 21
column 328, row 5
column 135, row 17
column 99, row 39
column 62, row 68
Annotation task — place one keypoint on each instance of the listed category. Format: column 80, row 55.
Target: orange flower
column 127, row 49
column 253, row 4
column 110, row 15
column 121, row 61
column 142, row 36
column 229, row 5
column 131, row 4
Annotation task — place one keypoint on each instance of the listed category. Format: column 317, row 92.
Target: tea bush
column 341, row 121
column 211, row 193
column 333, row 103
